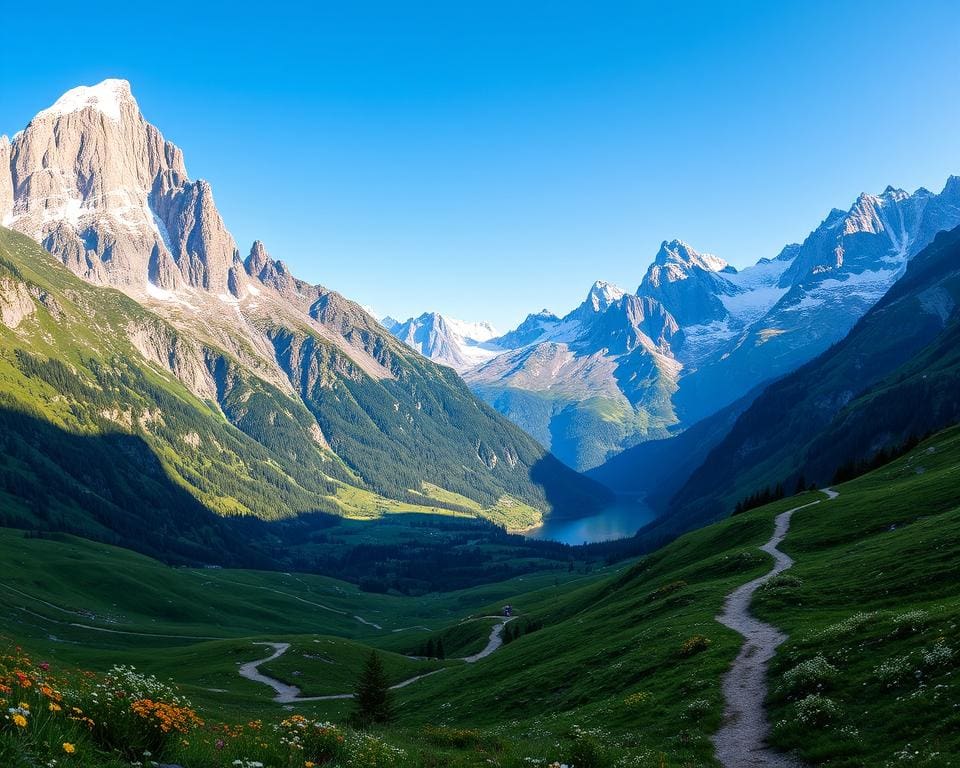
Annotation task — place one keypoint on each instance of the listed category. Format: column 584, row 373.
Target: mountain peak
column 258, row 259
column 107, row 97
column 603, row 294
column 682, row 253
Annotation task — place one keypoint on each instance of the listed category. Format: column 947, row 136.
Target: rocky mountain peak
column 100, row 187
column 261, row 266
column 258, row 259
column 677, row 261
column 112, row 98
column 603, row 294
column 894, row 193
column 952, row 187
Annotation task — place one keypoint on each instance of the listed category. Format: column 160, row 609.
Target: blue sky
column 490, row 159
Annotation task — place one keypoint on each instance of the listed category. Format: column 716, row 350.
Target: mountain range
column 893, row 380
column 697, row 335
column 256, row 392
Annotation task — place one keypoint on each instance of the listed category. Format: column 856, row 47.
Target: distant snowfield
column 867, row 286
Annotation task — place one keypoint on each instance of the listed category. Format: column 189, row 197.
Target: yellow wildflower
column 69, row 748
column 53, row 707
column 19, row 720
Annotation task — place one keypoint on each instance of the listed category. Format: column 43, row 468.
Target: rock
column 101, row 188
column 6, row 181
column 15, row 302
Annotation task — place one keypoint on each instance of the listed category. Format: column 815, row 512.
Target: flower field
column 58, row 718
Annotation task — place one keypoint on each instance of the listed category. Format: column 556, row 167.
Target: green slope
column 101, row 441
column 617, row 656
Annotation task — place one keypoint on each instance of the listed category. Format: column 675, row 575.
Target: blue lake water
column 620, row 520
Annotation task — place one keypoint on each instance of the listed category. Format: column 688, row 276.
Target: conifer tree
column 372, row 695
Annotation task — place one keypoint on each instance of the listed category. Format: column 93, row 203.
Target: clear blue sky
column 487, row 159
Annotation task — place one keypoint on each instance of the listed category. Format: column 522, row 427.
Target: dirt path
column 741, row 740
column 495, row 641
column 290, row 694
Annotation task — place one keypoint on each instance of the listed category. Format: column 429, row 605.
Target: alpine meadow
column 340, row 469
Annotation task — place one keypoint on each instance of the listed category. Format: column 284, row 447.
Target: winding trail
column 493, row 644
column 741, row 740
column 290, row 694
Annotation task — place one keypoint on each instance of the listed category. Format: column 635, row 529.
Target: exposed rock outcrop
column 102, row 189
column 15, row 302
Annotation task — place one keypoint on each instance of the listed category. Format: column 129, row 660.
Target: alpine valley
column 256, row 393
column 246, row 524
column 696, row 337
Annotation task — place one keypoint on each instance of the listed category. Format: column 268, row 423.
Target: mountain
column 591, row 382
column 691, row 284
column 447, row 341
column 895, row 377
column 698, row 335
column 821, row 288
column 293, row 398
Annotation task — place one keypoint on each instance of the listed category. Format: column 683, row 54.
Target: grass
column 875, row 593
column 321, row 666
column 627, row 666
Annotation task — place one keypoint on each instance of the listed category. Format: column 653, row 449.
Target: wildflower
column 69, row 748
column 53, row 706
column 308, row 764
column 19, row 720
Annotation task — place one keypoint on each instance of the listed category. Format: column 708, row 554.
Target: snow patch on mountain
column 105, row 97
column 865, row 288
column 476, row 332
column 757, row 291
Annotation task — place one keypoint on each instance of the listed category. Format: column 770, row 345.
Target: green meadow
column 617, row 667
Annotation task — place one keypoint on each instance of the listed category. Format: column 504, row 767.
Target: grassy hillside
column 622, row 668
column 873, row 609
column 88, row 370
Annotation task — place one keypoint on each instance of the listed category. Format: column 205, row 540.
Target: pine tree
column 441, row 654
column 372, row 695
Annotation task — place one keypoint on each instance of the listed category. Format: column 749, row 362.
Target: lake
column 618, row 521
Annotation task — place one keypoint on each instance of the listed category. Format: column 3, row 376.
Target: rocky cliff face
column 688, row 282
column 319, row 387
column 102, row 189
column 15, row 302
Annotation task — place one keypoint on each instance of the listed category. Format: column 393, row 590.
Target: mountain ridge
column 98, row 186
column 699, row 335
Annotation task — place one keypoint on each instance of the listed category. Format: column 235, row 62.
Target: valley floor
column 622, row 667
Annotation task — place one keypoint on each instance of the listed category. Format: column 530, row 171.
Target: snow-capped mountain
column 698, row 334
column 457, row 343
column 98, row 185
column 332, row 406
column 811, row 295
